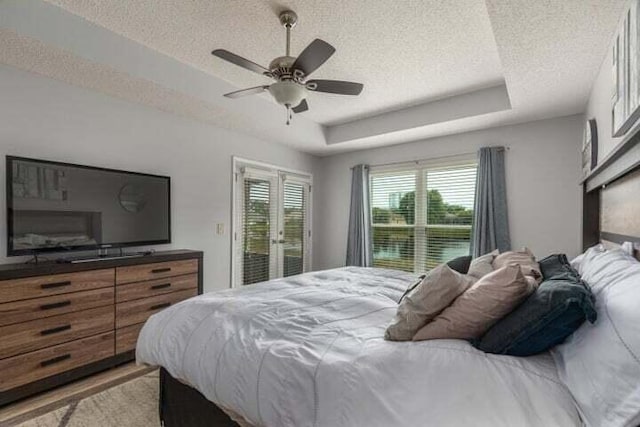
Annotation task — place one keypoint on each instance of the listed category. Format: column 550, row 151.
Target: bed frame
column 184, row 406
column 611, row 203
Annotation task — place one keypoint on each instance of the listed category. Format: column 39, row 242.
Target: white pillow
column 600, row 363
column 586, row 256
column 603, row 269
column 577, row 261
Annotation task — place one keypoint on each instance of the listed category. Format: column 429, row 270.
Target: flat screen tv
column 54, row 207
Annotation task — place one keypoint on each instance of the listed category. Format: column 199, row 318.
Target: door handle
column 275, row 242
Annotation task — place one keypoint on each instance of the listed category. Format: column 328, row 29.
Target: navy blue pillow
column 460, row 264
column 554, row 311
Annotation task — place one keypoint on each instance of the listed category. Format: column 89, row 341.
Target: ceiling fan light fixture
column 288, row 93
column 290, row 72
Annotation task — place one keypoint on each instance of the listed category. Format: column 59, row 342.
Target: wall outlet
column 220, row 229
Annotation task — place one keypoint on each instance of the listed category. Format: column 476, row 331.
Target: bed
column 308, row 351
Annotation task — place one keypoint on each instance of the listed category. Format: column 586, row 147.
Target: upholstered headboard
column 611, row 196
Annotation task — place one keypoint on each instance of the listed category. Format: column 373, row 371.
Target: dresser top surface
column 15, row 271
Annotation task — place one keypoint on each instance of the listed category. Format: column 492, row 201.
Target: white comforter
column 308, row 351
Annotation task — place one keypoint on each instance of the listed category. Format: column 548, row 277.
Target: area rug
column 130, row 404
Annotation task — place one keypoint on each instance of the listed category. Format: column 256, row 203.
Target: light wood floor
column 62, row 396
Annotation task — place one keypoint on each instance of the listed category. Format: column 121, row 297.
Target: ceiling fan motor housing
column 280, row 69
column 288, row 93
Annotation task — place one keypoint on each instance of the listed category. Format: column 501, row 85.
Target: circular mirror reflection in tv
column 132, row 198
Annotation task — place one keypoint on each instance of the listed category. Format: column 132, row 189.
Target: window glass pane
column 393, row 217
column 450, row 195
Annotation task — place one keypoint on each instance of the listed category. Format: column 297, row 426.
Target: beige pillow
column 482, row 265
column 476, row 310
column 524, row 259
column 436, row 291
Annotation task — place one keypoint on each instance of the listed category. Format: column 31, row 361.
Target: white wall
column 44, row 118
column 543, row 170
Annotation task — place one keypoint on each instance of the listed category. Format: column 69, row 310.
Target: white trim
column 436, row 162
column 273, row 170
column 268, row 166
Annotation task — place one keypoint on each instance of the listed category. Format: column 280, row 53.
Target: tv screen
column 54, row 206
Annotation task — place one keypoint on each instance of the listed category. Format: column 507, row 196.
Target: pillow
column 578, row 261
column 601, row 269
column 476, row 310
column 435, row 292
column 482, row 265
column 523, row 258
column 460, row 264
column 556, row 266
column 600, row 363
column 553, row 312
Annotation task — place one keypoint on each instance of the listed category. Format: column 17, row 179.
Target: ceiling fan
column 290, row 73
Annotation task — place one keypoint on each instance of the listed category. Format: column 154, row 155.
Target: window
column 422, row 214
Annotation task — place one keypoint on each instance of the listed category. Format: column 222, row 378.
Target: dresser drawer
column 138, row 273
column 43, row 286
column 50, row 361
column 127, row 337
column 150, row 288
column 25, row 337
column 37, row 308
column 138, row 311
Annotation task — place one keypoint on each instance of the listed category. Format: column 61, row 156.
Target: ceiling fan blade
column 335, row 86
column 313, row 56
column 240, row 61
column 245, row 92
column 302, row 107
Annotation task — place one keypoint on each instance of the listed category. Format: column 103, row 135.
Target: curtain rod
column 507, row 148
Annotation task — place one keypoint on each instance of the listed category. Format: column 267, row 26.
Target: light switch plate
column 220, row 229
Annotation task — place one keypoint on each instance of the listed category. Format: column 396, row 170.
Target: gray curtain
column 490, row 220
column 359, row 245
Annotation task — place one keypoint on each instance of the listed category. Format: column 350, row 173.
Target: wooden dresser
column 60, row 322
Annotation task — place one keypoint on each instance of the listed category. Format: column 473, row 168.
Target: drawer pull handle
column 55, row 305
column 55, row 285
column 164, row 285
column 55, row 330
column 55, row 360
column 161, row 270
column 157, row 306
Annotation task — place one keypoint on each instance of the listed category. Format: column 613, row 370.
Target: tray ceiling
column 417, row 58
column 405, row 52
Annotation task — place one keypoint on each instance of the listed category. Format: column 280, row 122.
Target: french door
column 272, row 227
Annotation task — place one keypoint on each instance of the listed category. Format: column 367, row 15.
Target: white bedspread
column 308, row 351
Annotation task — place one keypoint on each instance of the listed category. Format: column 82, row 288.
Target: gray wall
column 44, row 118
column 543, row 170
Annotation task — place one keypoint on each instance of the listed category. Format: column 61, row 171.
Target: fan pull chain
column 289, row 115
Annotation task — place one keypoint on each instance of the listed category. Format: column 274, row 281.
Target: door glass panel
column 294, row 218
column 256, row 224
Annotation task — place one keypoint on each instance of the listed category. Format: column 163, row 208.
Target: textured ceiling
column 405, row 52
